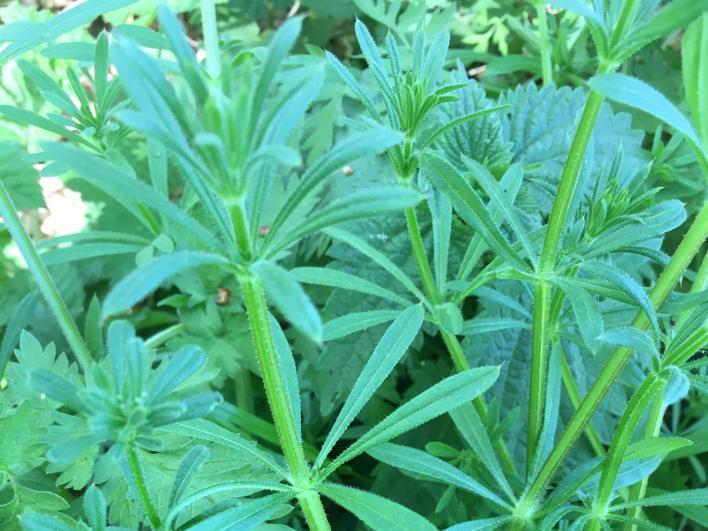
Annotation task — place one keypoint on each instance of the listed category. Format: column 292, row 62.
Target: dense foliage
column 354, row 264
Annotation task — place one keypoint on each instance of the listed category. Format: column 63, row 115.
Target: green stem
column 542, row 298
column 43, row 279
column 163, row 336
column 649, row 390
column 254, row 300
column 653, row 427
column 690, row 245
column 211, row 39
column 544, row 43
column 572, row 389
column 137, row 473
column 240, row 224
column 426, row 274
column 656, row 414
column 539, row 368
column 461, row 364
column 457, row 354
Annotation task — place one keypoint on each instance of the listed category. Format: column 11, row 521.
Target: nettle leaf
column 375, row 511
column 480, row 139
column 290, row 299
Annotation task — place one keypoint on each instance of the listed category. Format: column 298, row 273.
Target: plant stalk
column 211, row 38
column 653, row 427
column 137, row 473
column 690, row 245
column 44, row 280
column 459, row 360
column 426, row 274
column 254, row 300
column 542, row 296
column 544, row 43
column 649, row 390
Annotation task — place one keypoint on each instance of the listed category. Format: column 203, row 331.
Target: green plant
column 485, row 295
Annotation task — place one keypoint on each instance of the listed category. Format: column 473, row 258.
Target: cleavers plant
column 300, row 261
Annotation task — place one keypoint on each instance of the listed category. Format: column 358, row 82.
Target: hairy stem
column 254, row 300
column 457, row 354
column 43, row 279
column 651, row 388
column 137, row 472
column 211, row 39
column 653, row 427
column 542, row 298
column 461, row 364
column 690, row 245
column 426, row 274
column 656, row 414
column 572, row 389
column 544, row 43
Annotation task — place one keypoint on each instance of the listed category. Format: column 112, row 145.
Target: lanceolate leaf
column 468, row 204
column 355, row 322
column 146, row 279
column 289, row 372
column 289, row 297
column 419, row 462
column 635, row 93
column 437, row 400
column 386, row 355
column 381, row 514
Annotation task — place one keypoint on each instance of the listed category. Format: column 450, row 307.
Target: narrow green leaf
column 674, row 15
column 653, row 446
column 190, row 465
column 324, row 276
column 365, row 204
column 501, row 200
column 146, row 279
column 245, row 516
column 379, row 258
column 95, row 509
column 345, row 152
column 441, row 398
column 289, row 297
column 204, row 430
column 381, row 514
column 288, row 370
column 482, row 524
column 680, row 498
column 58, row 25
column 637, row 94
column 356, row 322
column 694, row 66
column 388, row 352
column 468, row 205
column 424, row 464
